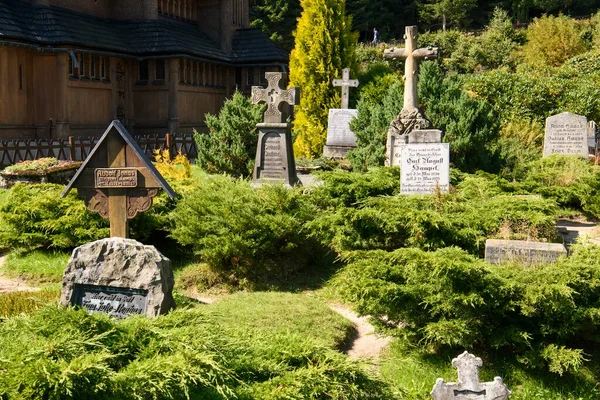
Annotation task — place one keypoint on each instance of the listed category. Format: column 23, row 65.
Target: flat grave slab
column 522, row 251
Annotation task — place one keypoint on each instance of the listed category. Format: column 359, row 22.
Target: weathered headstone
column 522, row 251
column 274, row 154
column 119, row 277
column 410, row 117
column 117, row 180
column 340, row 139
column 468, row 386
column 566, row 134
column 425, row 168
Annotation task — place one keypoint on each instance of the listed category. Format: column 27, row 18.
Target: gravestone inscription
column 425, row 168
column 566, row 134
column 340, row 138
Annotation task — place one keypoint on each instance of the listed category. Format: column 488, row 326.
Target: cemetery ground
column 275, row 258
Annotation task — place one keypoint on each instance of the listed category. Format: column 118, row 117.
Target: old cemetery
column 455, row 211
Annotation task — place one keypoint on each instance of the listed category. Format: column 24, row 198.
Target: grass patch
column 412, row 372
column 15, row 303
column 36, row 267
column 248, row 346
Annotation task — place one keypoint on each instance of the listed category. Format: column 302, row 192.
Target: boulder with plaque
column 118, row 276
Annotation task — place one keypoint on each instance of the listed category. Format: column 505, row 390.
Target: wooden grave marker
column 117, row 180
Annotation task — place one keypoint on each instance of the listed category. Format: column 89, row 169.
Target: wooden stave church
column 69, row 67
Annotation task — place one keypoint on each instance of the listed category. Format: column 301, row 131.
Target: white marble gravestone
column 424, row 168
column 340, row 139
column 468, row 386
column 566, row 134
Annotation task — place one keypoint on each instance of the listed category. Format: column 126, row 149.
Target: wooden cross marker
column 117, row 180
column 345, row 83
column 412, row 55
column 273, row 96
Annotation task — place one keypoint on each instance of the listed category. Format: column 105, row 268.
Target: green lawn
column 37, row 267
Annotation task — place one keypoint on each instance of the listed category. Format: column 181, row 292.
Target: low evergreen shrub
column 542, row 316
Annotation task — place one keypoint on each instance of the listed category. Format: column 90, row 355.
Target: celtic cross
column 273, row 96
column 345, row 83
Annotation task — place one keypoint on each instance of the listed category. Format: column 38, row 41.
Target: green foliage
column 15, row 303
column 202, row 352
column 248, row 233
column 36, row 217
column 469, row 124
column 324, row 46
column 277, row 19
column 552, row 40
column 455, row 11
column 40, row 164
column 543, row 315
column 371, row 125
column 36, row 266
column 520, row 145
column 230, row 145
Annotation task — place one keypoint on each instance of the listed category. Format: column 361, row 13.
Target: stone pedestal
column 340, row 139
column 119, row 277
column 275, row 161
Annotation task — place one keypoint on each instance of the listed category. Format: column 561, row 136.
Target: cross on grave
column 345, row 83
column 468, row 386
column 412, row 56
column 117, row 180
column 273, row 96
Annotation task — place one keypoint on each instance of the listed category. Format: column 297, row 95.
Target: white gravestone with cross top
column 340, row 139
column 274, row 154
column 411, row 117
column 468, row 386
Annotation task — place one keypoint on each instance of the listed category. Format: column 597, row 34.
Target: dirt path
column 571, row 230
column 13, row 285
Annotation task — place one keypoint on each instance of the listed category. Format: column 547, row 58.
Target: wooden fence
column 77, row 148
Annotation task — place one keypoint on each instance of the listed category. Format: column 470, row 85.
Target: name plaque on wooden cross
column 116, row 178
column 116, row 301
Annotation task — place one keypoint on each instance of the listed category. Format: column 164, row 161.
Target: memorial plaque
column 338, row 128
column 118, row 302
column 116, row 178
column 424, row 167
column 566, row 134
column 272, row 164
column 522, row 251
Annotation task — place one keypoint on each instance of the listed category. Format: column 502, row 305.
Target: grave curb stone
column 525, row 252
column 121, row 263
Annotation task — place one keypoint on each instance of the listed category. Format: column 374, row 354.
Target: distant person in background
column 375, row 37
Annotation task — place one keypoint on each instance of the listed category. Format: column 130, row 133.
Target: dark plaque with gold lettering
column 116, row 301
column 107, row 178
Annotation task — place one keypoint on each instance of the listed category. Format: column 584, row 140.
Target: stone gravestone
column 274, row 154
column 425, row 168
column 522, row 251
column 118, row 276
column 411, row 117
column 340, row 139
column 468, row 386
column 566, row 134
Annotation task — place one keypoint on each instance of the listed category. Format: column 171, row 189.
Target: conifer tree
column 324, row 45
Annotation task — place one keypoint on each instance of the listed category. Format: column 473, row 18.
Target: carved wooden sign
column 117, row 180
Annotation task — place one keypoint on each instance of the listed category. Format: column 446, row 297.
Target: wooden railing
column 78, row 148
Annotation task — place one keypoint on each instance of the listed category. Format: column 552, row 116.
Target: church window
column 83, row 66
column 93, row 66
column 20, row 76
column 182, row 9
column 250, row 80
column 143, row 70
column 104, row 68
column 160, row 70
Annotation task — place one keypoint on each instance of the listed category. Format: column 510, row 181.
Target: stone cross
column 412, row 55
column 468, row 386
column 345, row 83
column 273, row 96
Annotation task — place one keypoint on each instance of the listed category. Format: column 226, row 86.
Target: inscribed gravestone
column 566, row 134
column 119, row 277
column 274, row 154
column 424, row 168
column 522, row 251
column 340, row 139
column 468, row 386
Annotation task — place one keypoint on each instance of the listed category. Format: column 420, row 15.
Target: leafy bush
column 230, row 144
column 520, row 144
column 249, row 233
column 202, row 352
column 543, row 315
column 36, row 217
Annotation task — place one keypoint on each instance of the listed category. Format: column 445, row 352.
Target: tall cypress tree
column 324, row 46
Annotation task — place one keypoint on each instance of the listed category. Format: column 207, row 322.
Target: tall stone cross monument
column 345, row 83
column 274, row 154
column 340, row 139
column 410, row 117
